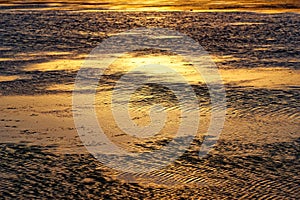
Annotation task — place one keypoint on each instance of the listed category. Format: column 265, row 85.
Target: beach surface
column 256, row 156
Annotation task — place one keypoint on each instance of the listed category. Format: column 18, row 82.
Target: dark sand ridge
column 258, row 152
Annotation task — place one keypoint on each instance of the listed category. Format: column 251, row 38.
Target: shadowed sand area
column 257, row 54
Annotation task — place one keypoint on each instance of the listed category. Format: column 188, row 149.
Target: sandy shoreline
column 261, row 6
column 257, row 155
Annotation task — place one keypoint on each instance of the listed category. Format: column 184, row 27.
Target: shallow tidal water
column 256, row 156
column 156, row 5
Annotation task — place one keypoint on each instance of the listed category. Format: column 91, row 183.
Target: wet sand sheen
column 259, row 77
column 46, row 124
column 156, row 5
column 257, row 155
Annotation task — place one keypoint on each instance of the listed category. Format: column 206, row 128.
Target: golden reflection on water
column 245, row 23
column 54, row 65
column 139, row 107
column 8, row 78
column 139, row 111
column 5, row 59
column 265, row 6
column 162, row 61
column 45, row 53
column 13, row 77
column 225, row 58
column 259, row 77
column 61, row 87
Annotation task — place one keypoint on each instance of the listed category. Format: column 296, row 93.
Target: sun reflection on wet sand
column 259, row 77
column 263, row 6
column 163, row 61
column 8, row 78
column 56, row 65
column 257, row 153
column 245, row 23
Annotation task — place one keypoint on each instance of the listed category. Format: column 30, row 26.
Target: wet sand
column 274, row 6
column 257, row 155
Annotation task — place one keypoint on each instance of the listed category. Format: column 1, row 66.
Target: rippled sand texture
column 257, row 155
